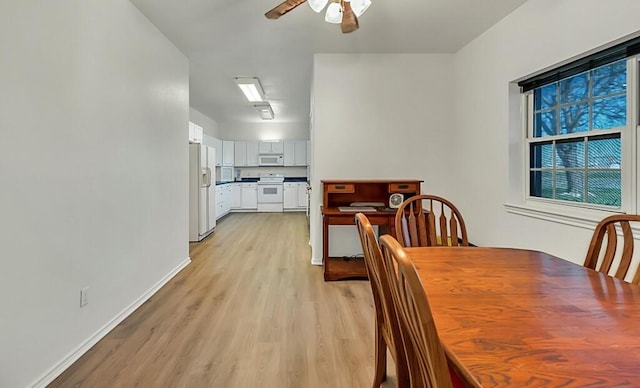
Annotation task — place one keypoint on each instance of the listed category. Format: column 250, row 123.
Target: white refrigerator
column 202, row 196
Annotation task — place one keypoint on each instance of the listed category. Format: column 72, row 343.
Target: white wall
column 93, row 164
column 390, row 119
column 209, row 126
column 538, row 35
column 264, row 130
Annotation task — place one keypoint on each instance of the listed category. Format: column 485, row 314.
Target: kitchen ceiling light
column 334, row 13
column 265, row 111
column 251, row 88
column 359, row 6
column 317, row 5
column 343, row 12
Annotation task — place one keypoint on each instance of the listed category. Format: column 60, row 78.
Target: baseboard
column 72, row 357
column 315, row 261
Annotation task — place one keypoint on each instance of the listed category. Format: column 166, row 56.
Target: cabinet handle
column 340, row 187
column 403, row 186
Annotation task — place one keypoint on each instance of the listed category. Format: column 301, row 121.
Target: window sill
column 567, row 215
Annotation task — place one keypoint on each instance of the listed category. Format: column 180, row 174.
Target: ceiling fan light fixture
column 317, row 5
column 265, row 111
column 359, row 6
column 334, row 13
column 251, row 88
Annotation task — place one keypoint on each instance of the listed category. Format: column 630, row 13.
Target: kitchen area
column 244, row 176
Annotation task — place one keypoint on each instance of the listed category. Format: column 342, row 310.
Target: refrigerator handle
column 208, row 169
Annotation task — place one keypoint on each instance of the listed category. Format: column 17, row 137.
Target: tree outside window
column 575, row 150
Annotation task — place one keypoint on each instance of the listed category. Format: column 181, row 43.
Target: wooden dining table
column 523, row 318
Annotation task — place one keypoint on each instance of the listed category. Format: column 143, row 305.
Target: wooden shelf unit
column 338, row 193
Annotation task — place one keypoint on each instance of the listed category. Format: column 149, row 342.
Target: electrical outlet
column 84, row 297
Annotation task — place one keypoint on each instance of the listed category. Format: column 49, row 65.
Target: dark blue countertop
column 286, row 179
column 218, row 183
column 295, row 179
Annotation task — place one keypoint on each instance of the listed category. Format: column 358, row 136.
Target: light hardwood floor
column 249, row 311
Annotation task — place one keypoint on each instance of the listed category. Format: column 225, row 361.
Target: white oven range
column 270, row 196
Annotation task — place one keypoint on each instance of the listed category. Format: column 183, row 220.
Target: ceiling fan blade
column 349, row 20
column 283, row 8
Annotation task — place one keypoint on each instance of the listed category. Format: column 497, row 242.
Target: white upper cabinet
column 227, row 153
column 240, row 153
column 217, row 144
column 245, row 153
column 252, row 153
column 295, row 153
column 271, row 147
column 289, row 152
column 196, row 133
column 300, row 155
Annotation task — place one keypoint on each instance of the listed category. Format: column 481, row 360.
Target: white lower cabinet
column 302, row 195
column 223, row 200
column 290, row 196
column 295, row 196
column 249, row 196
column 243, row 197
column 236, row 196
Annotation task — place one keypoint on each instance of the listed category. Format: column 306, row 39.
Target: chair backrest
column 386, row 316
column 425, row 355
column 428, row 220
column 603, row 249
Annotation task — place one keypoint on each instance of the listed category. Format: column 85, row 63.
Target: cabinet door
column 192, row 132
column 302, row 195
column 217, row 144
column 228, row 193
column 289, row 152
column 265, row 147
column 252, row 153
column 277, row 147
column 290, row 194
column 236, row 195
column 227, row 153
column 219, row 204
column 300, row 154
column 249, row 196
column 240, row 153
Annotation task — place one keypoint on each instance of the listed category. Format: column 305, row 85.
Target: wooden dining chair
column 426, row 359
column 603, row 250
column 428, row 220
column 387, row 331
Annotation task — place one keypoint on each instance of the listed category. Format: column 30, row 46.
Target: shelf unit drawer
column 341, row 188
column 403, row 188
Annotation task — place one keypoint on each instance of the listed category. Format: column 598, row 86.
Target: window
column 574, row 137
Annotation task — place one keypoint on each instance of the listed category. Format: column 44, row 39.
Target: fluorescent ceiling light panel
column 251, row 88
column 265, row 111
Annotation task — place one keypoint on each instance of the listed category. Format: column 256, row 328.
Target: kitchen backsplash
column 254, row 172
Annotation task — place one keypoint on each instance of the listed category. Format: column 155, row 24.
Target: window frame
column 630, row 149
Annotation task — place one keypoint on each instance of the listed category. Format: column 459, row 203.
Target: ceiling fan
column 338, row 11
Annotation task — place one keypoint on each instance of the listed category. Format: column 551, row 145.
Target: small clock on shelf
column 395, row 200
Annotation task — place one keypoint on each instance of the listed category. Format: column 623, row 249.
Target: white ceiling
column 228, row 38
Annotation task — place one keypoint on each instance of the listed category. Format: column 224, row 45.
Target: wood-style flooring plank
column 249, row 311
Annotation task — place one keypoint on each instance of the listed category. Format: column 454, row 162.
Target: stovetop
column 271, row 178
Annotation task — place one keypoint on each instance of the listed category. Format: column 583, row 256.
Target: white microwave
column 271, row 160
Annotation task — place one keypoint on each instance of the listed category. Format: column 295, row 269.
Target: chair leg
column 381, row 360
column 402, row 374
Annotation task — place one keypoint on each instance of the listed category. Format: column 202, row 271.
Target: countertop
column 286, row 179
